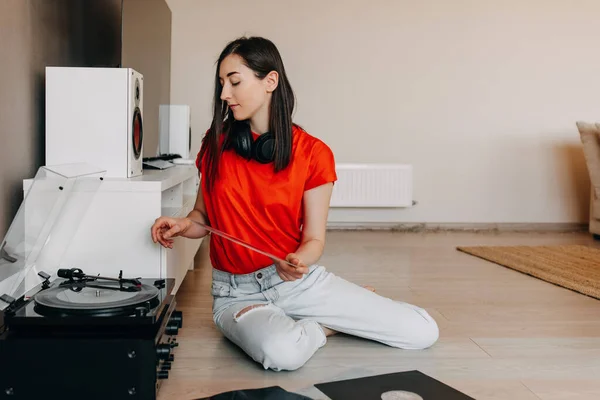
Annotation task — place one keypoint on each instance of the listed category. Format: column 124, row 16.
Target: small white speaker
column 175, row 130
column 95, row 115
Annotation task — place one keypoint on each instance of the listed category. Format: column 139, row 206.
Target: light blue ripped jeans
column 285, row 330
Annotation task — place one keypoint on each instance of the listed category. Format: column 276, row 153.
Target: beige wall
column 147, row 49
column 480, row 96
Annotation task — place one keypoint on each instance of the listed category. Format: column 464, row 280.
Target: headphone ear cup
column 263, row 149
column 242, row 140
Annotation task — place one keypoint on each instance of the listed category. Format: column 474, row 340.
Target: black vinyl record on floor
column 410, row 385
column 268, row 393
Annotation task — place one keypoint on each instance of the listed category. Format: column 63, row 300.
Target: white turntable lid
column 44, row 225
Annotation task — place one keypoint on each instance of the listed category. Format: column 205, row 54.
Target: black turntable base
column 88, row 338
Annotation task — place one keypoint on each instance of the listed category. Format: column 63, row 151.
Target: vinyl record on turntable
column 76, row 299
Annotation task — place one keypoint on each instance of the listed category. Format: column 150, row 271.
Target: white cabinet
column 115, row 234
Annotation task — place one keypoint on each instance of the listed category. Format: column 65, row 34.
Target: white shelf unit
column 115, row 234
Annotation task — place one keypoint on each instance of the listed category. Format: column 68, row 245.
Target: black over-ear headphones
column 262, row 149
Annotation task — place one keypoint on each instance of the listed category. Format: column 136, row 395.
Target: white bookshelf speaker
column 95, row 115
column 175, row 130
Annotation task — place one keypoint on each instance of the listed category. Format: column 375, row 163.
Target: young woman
column 268, row 182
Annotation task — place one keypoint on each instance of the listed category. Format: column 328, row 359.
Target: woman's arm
column 316, row 209
column 165, row 229
column 198, row 214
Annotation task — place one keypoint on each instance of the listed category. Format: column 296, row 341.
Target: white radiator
column 373, row 185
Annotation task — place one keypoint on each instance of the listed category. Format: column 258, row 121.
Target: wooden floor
column 503, row 335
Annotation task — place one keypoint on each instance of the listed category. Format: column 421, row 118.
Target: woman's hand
column 287, row 272
column 166, row 228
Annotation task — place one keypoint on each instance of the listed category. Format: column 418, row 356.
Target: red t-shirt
column 263, row 208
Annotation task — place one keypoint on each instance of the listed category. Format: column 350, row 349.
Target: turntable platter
column 74, row 300
column 93, row 296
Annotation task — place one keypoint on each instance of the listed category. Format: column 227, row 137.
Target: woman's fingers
column 159, row 226
column 285, row 271
column 154, row 229
column 300, row 269
column 175, row 229
column 164, row 229
column 164, row 241
column 291, row 272
column 285, row 276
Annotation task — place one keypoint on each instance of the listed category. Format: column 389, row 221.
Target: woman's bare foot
column 331, row 332
column 328, row 332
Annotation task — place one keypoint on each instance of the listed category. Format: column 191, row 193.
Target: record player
column 73, row 334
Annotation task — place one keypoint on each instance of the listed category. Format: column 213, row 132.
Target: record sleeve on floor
column 409, row 385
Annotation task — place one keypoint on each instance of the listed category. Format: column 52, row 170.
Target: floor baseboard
column 453, row 227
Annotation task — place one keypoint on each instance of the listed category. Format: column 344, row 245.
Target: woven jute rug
column 574, row 267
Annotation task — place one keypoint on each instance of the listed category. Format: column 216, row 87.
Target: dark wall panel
column 34, row 34
column 86, row 33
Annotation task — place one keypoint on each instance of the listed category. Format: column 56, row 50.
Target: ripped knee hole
column 248, row 309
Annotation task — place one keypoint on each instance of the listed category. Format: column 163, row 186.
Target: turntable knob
column 177, row 318
column 163, row 351
column 163, row 374
column 141, row 311
column 172, row 329
column 165, row 366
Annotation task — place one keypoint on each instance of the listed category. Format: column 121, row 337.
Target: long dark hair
column 261, row 56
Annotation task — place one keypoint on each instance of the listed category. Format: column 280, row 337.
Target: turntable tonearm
column 65, row 334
